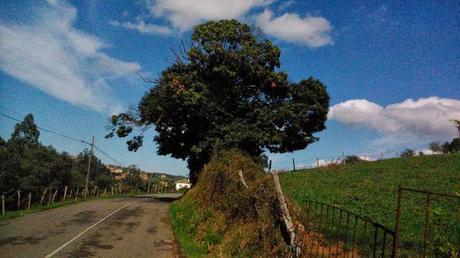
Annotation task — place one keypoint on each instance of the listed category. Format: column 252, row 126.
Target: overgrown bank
column 221, row 216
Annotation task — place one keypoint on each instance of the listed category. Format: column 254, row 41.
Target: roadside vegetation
column 370, row 189
column 221, row 217
column 37, row 208
column 29, row 168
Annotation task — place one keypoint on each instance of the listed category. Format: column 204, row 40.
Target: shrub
column 246, row 218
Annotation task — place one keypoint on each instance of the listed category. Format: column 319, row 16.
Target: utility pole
column 89, row 166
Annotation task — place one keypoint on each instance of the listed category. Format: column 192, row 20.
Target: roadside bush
column 236, row 220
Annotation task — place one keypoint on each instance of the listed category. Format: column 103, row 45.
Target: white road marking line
column 88, row 229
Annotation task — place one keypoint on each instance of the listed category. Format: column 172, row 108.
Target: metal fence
column 439, row 236
column 329, row 231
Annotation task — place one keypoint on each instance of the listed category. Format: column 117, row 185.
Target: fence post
column 3, row 204
column 293, row 164
column 19, row 199
column 54, row 195
column 43, row 195
column 317, row 162
column 397, row 227
column 65, row 194
column 425, row 231
column 76, row 195
column 30, row 200
column 49, row 196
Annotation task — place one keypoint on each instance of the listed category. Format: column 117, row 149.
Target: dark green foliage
column 28, row 166
column 352, row 159
column 26, row 132
column 454, row 146
column 435, row 147
column 224, row 92
column 133, row 179
column 407, row 153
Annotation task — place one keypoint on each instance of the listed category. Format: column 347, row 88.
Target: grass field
column 370, row 189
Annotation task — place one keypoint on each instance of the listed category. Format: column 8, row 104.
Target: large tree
column 226, row 91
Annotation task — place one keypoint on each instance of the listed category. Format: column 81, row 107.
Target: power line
column 48, row 130
column 108, row 156
column 67, row 137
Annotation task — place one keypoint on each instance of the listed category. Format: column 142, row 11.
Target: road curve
column 123, row 227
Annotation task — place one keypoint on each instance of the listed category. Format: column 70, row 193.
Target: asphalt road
column 124, row 227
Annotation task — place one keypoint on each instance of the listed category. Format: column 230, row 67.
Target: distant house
column 183, row 183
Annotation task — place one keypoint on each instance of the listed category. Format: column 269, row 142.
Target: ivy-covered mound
column 229, row 213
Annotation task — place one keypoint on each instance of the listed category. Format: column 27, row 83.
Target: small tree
column 456, row 123
column 407, row 153
column 26, row 131
column 454, row 146
column 352, row 159
column 435, row 147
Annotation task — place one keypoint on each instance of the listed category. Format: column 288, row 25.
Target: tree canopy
column 226, row 91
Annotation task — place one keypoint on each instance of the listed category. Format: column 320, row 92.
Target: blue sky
column 391, row 68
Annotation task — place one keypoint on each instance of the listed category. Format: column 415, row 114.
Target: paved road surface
column 124, row 227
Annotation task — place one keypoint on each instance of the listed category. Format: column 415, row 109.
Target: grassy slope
column 370, row 189
column 185, row 217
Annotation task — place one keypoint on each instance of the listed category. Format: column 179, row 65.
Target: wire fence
column 316, row 161
column 50, row 196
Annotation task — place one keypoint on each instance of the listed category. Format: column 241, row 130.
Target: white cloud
column 312, row 31
column 52, row 55
column 184, row 14
column 142, row 27
column 425, row 117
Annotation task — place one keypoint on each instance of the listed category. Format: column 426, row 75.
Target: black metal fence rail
column 330, row 231
column 429, row 247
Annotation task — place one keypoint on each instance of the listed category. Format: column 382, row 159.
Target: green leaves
column 226, row 93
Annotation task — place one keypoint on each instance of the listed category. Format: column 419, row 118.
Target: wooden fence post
column 3, row 204
column 54, row 195
column 112, row 190
column 65, row 193
column 19, row 199
column 49, row 196
column 43, row 195
column 285, row 213
column 30, row 200
column 395, row 252
column 76, row 195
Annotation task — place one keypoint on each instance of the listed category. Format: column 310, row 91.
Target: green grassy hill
column 370, row 189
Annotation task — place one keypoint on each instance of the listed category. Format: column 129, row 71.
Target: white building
column 184, row 183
